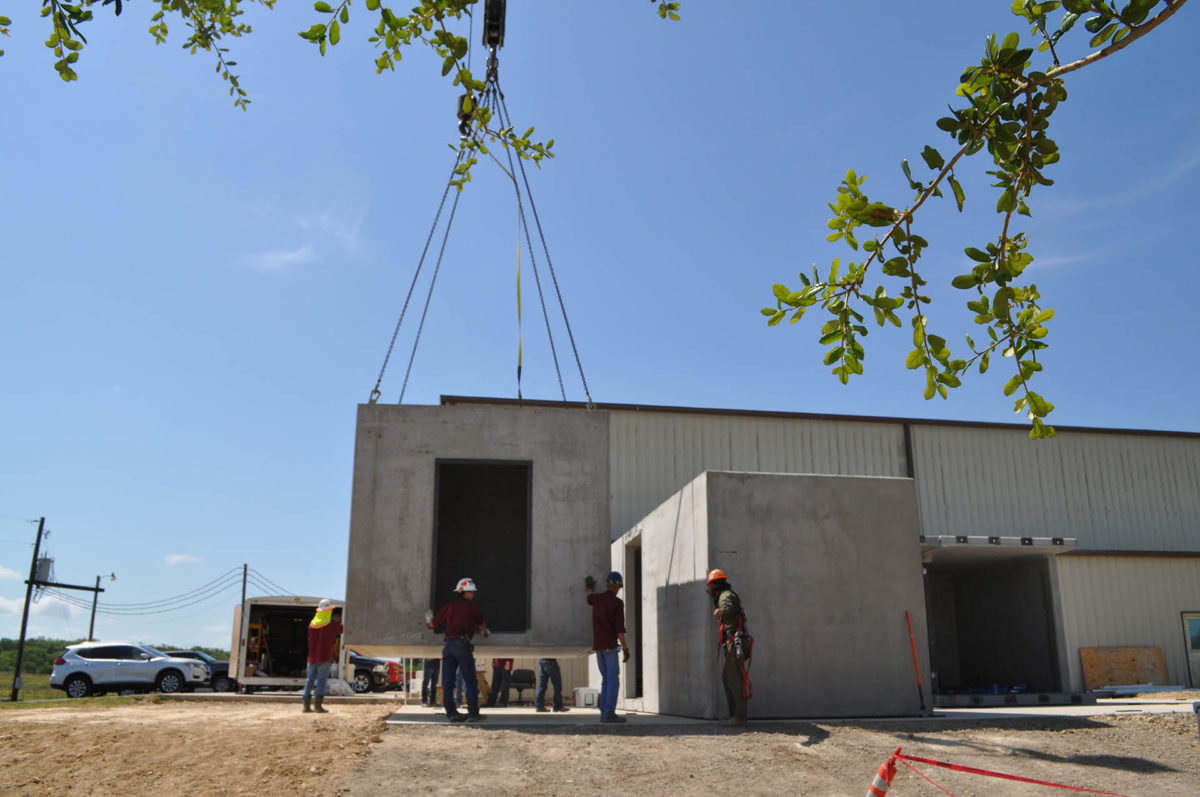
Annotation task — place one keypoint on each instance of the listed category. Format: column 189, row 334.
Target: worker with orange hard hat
column 735, row 642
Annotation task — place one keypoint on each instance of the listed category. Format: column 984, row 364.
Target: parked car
column 218, row 671
column 369, row 674
column 98, row 667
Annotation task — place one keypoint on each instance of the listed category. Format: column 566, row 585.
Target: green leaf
column 335, row 32
column 959, row 196
column 933, row 158
column 978, row 255
column 1007, row 202
column 916, row 358
column 1011, row 385
column 964, row 281
column 322, row 7
column 345, row 15
column 372, row 5
column 780, row 290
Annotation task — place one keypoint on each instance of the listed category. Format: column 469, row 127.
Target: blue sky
column 195, row 299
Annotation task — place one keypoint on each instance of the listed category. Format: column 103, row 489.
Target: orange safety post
column 883, row 778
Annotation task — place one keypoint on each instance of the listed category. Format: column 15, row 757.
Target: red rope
column 922, row 774
column 991, row 774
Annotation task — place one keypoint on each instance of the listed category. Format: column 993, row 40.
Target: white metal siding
column 653, row 454
column 1111, row 491
column 1110, row 601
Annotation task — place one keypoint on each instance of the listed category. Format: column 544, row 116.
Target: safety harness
column 743, row 646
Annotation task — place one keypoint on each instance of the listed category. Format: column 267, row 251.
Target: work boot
column 733, row 721
column 561, row 708
column 541, row 708
column 317, row 708
column 307, row 700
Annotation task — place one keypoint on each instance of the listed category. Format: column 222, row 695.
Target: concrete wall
column 392, row 523
column 826, row 567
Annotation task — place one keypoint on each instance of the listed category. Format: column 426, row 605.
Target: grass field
column 36, row 687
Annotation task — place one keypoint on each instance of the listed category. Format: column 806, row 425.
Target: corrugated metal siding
column 653, row 454
column 1112, row 492
column 1122, row 600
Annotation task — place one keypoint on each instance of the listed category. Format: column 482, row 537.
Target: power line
column 275, row 586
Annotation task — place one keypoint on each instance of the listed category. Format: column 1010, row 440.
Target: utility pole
column 235, row 652
column 37, row 547
column 95, row 597
column 30, row 584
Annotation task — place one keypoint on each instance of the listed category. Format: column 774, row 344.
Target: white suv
column 99, row 667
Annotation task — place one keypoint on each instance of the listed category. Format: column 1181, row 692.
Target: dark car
column 370, row 675
column 218, row 671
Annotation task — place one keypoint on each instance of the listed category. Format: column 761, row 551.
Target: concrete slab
column 528, row 719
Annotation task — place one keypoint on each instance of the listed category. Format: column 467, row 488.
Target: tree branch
column 1136, row 33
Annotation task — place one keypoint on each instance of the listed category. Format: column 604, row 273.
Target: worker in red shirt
column 608, row 629
column 461, row 617
column 323, row 632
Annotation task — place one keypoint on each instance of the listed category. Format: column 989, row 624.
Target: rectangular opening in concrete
column 482, row 524
column 992, row 626
column 633, row 612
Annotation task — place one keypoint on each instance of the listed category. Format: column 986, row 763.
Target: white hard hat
column 325, row 605
column 466, row 585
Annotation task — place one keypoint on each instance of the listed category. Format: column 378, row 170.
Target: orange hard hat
column 716, row 574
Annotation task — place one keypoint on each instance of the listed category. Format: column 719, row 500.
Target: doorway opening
column 633, row 614
column 992, row 625
column 482, row 530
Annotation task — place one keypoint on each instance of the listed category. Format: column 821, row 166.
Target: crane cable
column 375, row 393
column 493, row 97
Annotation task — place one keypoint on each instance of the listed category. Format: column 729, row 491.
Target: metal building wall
column 1127, row 600
column 652, row 455
column 1112, row 491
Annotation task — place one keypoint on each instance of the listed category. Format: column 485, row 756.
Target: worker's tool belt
column 738, row 644
column 465, row 640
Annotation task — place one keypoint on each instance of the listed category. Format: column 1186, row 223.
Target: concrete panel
column 392, row 522
column 826, row 567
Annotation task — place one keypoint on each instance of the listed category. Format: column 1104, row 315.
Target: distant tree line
column 40, row 653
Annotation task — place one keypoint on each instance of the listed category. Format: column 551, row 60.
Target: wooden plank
column 1122, row 666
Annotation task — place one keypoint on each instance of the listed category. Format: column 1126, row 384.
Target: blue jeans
column 457, row 657
column 318, row 673
column 610, row 680
column 432, row 668
column 549, row 673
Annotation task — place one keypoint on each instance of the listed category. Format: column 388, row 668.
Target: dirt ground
column 154, row 746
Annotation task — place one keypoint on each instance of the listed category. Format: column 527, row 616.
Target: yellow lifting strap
column 520, row 215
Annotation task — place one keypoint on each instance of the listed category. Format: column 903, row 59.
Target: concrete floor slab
column 527, row 718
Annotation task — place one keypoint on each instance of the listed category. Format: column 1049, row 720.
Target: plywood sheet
column 1122, row 666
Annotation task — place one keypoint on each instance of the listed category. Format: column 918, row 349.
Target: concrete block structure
column 516, row 499
column 1011, row 556
column 826, row 567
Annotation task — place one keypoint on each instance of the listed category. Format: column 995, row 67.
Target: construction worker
column 323, row 632
column 736, row 644
column 608, row 630
column 461, row 617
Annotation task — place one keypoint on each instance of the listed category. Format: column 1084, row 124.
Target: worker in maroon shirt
column 323, row 632
column 608, row 629
column 461, row 617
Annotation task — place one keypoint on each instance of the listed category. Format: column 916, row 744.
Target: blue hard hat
column 614, row 578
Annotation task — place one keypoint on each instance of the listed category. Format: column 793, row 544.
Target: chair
column 522, row 680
